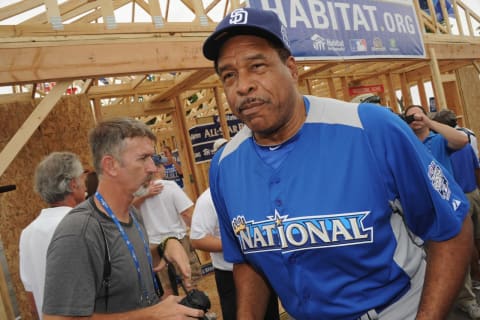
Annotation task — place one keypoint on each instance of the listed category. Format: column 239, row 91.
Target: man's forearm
column 456, row 139
column 252, row 292
column 447, row 263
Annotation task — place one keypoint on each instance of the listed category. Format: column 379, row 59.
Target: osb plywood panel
column 469, row 86
column 65, row 128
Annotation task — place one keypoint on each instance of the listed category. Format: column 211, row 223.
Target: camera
column 409, row 119
column 198, row 300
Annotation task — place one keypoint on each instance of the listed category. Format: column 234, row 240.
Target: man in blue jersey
column 466, row 171
column 331, row 202
column 440, row 139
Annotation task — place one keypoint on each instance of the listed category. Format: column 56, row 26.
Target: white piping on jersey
column 322, row 110
column 332, row 111
column 408, row 253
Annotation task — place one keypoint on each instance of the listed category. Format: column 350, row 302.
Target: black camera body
column 198, row 300
column 409, row 119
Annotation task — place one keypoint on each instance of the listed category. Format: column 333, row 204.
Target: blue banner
column 349, row 29
column 203, row 136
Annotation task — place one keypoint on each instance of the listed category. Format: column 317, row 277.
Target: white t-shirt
column 161, row 213
column 205, row 222
column 34, row 242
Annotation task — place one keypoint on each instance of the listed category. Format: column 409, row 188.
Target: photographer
column 99, row 264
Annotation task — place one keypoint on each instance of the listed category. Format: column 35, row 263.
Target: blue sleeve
column 230, row 246
column 434, row 206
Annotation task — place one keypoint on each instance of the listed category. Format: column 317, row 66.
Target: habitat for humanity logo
column 321, row 44
column 278, row 232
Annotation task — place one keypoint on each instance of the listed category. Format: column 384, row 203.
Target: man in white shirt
column 167, row 212
column 60, row 181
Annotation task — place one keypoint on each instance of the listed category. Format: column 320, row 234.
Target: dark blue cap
column 246, row 21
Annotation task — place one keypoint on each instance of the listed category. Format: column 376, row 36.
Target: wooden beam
column 67, row 62
column 24, row 133
column 87, row 84
column 188, row 81
column 136, row 109
column 18, row 8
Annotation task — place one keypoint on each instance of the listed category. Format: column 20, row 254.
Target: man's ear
column 109, row 165
column 292, row 66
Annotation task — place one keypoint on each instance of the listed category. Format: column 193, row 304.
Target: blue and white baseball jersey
column 320, row 226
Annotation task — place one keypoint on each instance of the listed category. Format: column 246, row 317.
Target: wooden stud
column 188, row 149
column 437, row 81
column 405, row 88
column 422, row 93
column 53, row 14
column 221, row 114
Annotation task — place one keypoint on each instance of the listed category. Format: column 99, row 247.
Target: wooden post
column 346, row 94
column 437, row 81
column 391, row 94
column 407, row 96
column 308, row 84
column 331, row 88
column 156, row 13
column 189, row 156
column 108, row 14
column 422, row 93
column 53, row 13
column 221, row 114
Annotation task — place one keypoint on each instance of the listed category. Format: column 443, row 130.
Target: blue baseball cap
column 246, row 21
column 158, row 159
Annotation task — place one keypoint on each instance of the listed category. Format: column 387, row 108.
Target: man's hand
column 175, row 253
column 170, row 308
column 154, row 189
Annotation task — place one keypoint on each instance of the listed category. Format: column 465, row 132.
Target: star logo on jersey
column 279, row 233
column 277, row 218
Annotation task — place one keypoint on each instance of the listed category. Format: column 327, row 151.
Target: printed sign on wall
column 204, row 135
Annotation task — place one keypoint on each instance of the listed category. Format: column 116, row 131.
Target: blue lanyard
column 130, row 247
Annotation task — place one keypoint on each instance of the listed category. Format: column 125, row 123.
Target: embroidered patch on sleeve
column 439, row 182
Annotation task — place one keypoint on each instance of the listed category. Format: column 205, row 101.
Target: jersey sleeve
column 434, row 206
column 231, row 249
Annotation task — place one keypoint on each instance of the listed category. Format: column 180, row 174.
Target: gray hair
column 447, row 117
column 54, row 173
column 108, row 137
